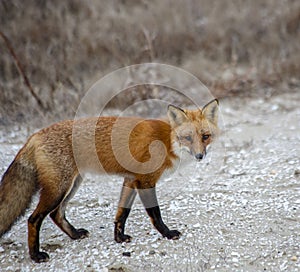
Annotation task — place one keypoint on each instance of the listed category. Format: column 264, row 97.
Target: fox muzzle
column 199, row 156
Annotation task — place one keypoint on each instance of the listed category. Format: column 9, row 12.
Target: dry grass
column 235, row 47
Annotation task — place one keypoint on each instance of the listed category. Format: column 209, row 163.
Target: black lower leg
column 45, row 206
column 59, row 218
column 122, row 216
column 149, row 199
column 126, row 200
column 158, row 223
column 34, row 225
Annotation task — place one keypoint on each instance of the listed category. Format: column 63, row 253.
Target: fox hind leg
column 48, row 202
column 59, row 217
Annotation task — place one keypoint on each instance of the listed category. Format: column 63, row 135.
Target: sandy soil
column 238, row 210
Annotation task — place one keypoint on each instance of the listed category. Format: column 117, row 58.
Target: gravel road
column 238, row 210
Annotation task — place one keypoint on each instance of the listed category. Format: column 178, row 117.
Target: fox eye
column 205, row 137
column 188, row 138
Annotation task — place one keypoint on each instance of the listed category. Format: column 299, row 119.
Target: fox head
column 194, row 130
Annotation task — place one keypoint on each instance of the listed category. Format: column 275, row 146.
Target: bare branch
column 21, row 70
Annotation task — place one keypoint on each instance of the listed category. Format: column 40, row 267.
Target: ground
column 238, row 210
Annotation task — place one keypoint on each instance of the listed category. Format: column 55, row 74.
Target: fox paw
column 40, row 257
column 172, row 234
column 123, row 238
column 80, row 234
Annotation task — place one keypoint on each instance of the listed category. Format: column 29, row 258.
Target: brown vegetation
column 234, row 47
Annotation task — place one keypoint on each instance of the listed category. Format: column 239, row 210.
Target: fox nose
column 199, row 156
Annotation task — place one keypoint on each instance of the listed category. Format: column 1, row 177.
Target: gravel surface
column 238, row 210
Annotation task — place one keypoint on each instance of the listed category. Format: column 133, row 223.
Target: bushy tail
column 17, row 187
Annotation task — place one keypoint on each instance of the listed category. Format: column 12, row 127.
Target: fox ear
column 176, row 115
column 210, row 111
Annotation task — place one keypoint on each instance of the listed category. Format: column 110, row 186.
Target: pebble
column 297, row 172
column 197, row 225
column 294, row 258
column 126, row 254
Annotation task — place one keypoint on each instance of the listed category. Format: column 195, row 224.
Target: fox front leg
column 127, row 197
column 149, row 199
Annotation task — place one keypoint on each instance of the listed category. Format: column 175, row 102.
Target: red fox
column 47, row 164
